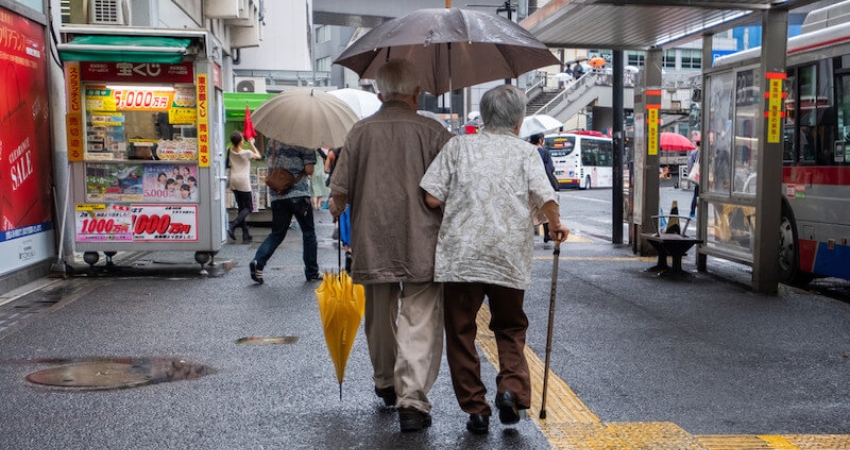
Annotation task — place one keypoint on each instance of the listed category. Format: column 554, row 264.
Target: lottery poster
column 171, row 183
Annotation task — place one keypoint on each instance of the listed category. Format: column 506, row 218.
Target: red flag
column 248, row 129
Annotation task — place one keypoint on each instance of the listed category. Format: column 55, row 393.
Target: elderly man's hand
column 559, row 233
column 332, row 208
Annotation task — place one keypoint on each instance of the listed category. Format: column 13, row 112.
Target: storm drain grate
column 117, row 373
column 267, row 340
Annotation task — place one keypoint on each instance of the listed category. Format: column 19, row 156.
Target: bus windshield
column 560, row 145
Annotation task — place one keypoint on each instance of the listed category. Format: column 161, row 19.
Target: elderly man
column 393, row 236
column 489, row 185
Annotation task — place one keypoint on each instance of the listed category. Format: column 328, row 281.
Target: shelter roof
column 643, row 24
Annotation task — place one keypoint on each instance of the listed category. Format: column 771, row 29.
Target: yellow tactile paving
column 570, row 424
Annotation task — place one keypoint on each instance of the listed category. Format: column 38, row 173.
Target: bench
column 674, row 245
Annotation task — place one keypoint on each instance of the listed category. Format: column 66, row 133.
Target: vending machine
column 145, row 159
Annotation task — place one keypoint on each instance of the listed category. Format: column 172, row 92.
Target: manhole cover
column 267, row 340
column 118, row 373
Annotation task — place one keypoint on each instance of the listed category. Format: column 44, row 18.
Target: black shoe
column 256, row 274
column 508, row 410
column 247, row 239
column 316, row 277
column 230, row 233
column 411, row 419
column 387, row 394
column 478, row 424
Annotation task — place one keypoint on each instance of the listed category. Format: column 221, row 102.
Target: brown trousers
column 508, row 322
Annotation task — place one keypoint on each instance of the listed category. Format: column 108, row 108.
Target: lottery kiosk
column 143, row 144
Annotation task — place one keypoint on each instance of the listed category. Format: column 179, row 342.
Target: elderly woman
column 488, row 185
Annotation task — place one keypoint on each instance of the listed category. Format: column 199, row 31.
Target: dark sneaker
column 478, row 424
column 411, row 419
column 508, row 410
column 230, row 233
column 316, row 277
column 387, row 394
column 246, row 239
column 256, row 274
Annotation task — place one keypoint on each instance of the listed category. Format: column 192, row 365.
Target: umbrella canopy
column 341, row 306
column 363, row 103
column 540, row 123
column 675, row 142
column 632, row 69
column 248, row 127
column 452, row 48
column 305, row 117
column 596, row 62
column 435, row 116
column 573, row 61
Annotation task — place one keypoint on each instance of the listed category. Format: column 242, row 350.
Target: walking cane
column 555, row 257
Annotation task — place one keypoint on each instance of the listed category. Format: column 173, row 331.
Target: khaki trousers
column 404, row 330
column 509, row 324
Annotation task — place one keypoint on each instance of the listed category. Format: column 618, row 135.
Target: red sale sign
column 102, row 223
column 158, row 223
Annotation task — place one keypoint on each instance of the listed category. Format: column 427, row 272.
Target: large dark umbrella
column 452, row 48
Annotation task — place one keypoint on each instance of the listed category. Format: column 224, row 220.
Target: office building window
column 635, row 59
column 323, row 33
column 691, row 59
column 323, row 64
column 669, row 59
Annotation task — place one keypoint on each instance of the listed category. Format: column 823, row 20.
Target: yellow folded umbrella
column 341, row 306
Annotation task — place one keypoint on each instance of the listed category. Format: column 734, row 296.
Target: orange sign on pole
column 774, row 112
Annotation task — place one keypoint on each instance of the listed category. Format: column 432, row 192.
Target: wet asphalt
column 707, row 354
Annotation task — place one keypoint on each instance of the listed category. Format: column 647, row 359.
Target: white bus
column 582, row 159
column 814, row 235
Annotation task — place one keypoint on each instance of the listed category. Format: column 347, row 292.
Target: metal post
column 702, row 208
column 619, row 145
column 769, row 164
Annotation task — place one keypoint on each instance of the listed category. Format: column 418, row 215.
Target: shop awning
column 234, row 103
column 131, row 49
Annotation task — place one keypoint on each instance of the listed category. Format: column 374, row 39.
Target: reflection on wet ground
column 267, row 340
column 88, row 374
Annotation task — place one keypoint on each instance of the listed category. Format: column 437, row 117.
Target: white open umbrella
column 540, row 123
column 435, row 116
column 305, row 117
column 363, row 103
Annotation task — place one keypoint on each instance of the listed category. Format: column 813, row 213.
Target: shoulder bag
column 279, row 179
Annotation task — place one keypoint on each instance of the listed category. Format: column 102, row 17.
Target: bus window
column 560, row 145
column 606, row 153
column 825, row 130
column 789, row 152
column 807, row 95
column 589, row 152
column 843, row 125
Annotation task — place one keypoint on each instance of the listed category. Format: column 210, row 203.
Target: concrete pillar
column 651, row 106
column 61, row 172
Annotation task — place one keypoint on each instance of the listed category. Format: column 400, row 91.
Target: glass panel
column 790, row 129
column 720, row 118
column 669, row 59
column 731, row 229
column 746, row 149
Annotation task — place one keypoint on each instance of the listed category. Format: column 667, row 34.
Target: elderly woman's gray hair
column 397, row 78
column 503, row 108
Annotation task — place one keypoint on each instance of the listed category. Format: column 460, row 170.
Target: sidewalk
column 637, row 361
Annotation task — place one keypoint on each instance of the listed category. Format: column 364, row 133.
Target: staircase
column 591, row 89
column 539, row 101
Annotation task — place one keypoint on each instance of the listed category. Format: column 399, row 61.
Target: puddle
column 267, row 340
column 94, row 374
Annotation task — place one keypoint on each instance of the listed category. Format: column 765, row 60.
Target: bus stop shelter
column 747, row 107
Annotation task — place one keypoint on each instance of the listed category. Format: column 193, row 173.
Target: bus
column 582, row 159
column 814, row 235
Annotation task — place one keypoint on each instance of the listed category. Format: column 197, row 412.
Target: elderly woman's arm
column 557, row 230
column 432, row 201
